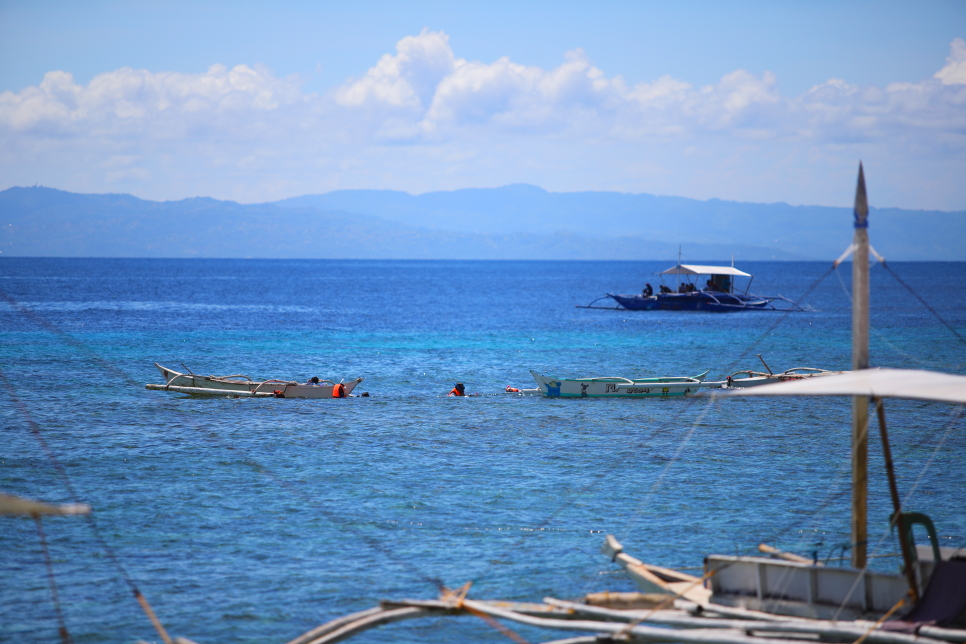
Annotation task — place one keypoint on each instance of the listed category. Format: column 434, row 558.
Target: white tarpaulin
column 691, row 269
column 882, row 383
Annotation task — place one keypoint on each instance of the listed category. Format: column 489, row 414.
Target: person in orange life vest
column 338, row 391
column 458, row 390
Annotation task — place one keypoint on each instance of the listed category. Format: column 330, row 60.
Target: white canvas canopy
column 691, row 269
column 914, row 384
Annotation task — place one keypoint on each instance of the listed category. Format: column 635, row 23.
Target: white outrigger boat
column 616, row 386
column 241, row 385
column 742, row 379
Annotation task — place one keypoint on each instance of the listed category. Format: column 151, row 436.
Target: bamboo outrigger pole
column 860, row 360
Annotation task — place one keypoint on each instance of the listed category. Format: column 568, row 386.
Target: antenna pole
column 679, row 268
column 860, row 360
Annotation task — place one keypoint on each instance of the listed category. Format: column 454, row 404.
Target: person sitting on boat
column 314, row 381
column 648, row 291
column 458, row 390
column 666, row 289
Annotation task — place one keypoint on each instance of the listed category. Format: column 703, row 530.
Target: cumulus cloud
column 954, row 73
column 408, row 79
column 423, row 102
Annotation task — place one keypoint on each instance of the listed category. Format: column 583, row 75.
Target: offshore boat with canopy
column 718, row 293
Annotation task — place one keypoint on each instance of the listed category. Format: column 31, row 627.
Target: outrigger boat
column 717, row 295
column 741, row 379
column 616, row 386
column 242, row 385
column 933, row 580
column 748, row 378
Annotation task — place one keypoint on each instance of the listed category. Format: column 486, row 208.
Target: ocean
column 254, row 520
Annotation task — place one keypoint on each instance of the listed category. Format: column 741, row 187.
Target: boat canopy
column 914, row 384
column 691, row 269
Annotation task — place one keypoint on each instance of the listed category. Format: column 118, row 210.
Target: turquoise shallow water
column 255, row 520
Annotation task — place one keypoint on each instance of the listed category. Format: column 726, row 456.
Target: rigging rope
column 883, row 338
column 62, row 625
column 924, row 303
column 92, row 523
column 749, row 351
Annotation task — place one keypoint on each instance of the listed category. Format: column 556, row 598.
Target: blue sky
column 752, row 101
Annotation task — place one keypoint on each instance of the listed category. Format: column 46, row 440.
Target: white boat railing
column 273, row 382
column 220, row 378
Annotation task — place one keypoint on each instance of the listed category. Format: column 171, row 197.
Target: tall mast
column 860, row 360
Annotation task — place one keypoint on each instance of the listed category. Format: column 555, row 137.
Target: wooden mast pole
column 860, row 360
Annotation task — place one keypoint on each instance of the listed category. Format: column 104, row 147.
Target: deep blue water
column 255, row 520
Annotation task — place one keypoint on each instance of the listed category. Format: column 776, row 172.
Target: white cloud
column 408, row 79
column 423, row 119
column 126, row 97
column 954, row 73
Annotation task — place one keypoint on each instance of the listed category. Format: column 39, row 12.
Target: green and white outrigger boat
column 618, row 387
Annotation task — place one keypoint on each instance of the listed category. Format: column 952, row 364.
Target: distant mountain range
column 513, row 222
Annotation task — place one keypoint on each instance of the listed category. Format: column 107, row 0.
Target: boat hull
column 755, row 379
column 198, row 385
column 696, row 301
column 614, row 387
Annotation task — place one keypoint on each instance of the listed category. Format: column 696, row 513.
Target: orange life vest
column 456, row 392
column 338, row 391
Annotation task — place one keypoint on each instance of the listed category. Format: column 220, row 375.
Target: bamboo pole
column 689, row 623
column 904, row 544
column 828, row 630
column 146, row 607
column 333, row 625
column 860, row 360
column 373, row 620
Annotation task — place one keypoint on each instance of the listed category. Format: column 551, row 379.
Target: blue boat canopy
column 691, row 269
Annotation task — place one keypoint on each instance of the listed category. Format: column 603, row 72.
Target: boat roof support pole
column 904, row 544
column 860, row 360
